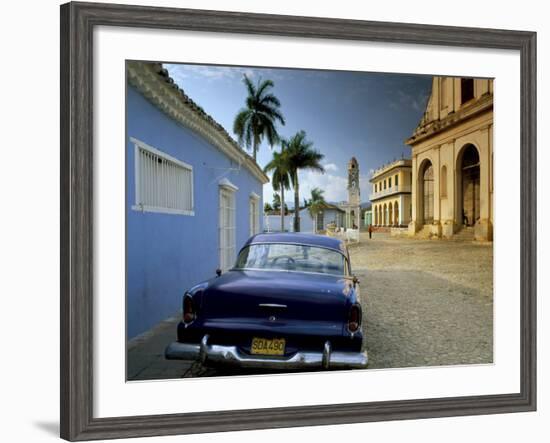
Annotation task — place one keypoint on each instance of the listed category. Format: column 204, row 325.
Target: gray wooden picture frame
column 77, row 24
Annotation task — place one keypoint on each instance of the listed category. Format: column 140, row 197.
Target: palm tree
column 317, row 195
column 257, row 119
column 276, row 202
column 280, row 179
column 316, row 205
column 301, row 155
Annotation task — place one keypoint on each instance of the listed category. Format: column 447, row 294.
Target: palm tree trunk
column 296, row 203
column 315, row 224
column 282, row 209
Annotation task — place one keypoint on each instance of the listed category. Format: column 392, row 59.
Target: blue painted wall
column 169, row 253
column 332, row 216
column 306, row 221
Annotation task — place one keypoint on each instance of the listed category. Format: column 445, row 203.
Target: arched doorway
column 469, row 177
column 385, row 215
column 426, row 192
column 396, row 214
column 390, row 214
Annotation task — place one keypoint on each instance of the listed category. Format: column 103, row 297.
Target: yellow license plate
column 267, row 346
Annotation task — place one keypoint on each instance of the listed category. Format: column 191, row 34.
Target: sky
column 344, row 114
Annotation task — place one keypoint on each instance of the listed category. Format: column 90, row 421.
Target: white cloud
column 207, row 72
column 330, row 167
column 180, row 72
column 403, row 100
column 335, row 187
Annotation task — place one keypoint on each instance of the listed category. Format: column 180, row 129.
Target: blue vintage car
column 290, row 302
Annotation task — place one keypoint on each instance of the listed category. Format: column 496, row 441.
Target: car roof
column 299, row 238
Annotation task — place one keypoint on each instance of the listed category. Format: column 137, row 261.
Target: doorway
column 426, row 193
column 227, row 234
column 470, row 174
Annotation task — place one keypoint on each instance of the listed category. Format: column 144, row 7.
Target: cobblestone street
column 426, row 302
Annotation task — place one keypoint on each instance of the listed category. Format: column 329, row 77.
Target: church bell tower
column 354, row 197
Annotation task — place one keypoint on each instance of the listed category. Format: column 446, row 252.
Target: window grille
column 163, row 183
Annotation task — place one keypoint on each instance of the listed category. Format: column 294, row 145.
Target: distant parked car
column 290, row 302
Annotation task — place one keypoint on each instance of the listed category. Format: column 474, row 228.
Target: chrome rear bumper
column 231, row 355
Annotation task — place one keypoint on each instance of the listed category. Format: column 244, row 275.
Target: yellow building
column 452, row 161
column 391, row 194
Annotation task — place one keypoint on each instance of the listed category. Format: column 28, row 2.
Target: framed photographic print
column 274, row 221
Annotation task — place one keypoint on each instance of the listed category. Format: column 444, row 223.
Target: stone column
column 436, row 227
column 401, row 210
column 413, row 224
column 436, row 83
column 457, row 92
column 447, row 215
column 481, row 86
column 484, row 229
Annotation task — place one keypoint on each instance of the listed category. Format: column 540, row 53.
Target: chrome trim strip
column 294, row 272
column 272, row 305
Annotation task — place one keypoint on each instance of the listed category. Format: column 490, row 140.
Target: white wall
column 272, row 223
column 29, row 224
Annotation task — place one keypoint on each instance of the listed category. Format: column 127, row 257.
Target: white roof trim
column 254, row 196
column 225, row 183
column 149, row 83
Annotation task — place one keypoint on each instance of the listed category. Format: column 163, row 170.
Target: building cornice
column 151, row 81
column 433, row 127
column 390, row 196
column 482, row 122
column 405, row 163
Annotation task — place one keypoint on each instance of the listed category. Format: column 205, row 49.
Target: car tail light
column 354, row 322
column 188, row 309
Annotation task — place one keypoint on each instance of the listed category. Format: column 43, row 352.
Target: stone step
column 465, row 234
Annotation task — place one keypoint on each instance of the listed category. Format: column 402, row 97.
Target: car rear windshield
column 292, row 257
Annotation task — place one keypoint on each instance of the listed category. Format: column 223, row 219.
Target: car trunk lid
column 276, row 297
